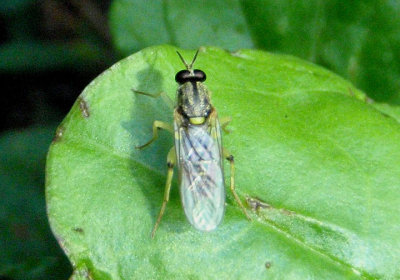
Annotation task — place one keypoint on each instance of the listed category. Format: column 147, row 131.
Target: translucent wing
column 199, row 155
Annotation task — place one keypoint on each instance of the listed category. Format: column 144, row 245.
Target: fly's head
column 193, row 96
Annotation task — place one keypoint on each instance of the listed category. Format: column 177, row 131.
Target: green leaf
column 28, row 249
column 359, row 40
column 318, row 165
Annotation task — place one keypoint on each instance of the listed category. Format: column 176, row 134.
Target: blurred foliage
column 20, row 56
column 47, row 34
column 48, row 51
column 186, row 24
column 8, row 7
column 359, row 40
column 45, row 42
column 28, row 248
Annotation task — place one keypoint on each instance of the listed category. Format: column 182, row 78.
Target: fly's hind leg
column 156, row 126
column 231, row 160
column 171, row 160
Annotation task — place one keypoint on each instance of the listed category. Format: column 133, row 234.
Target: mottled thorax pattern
column 193, row 99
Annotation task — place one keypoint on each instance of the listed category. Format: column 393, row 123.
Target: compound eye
column 199, row 75
column 182, row 76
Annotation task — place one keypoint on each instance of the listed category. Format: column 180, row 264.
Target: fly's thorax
column 194, row 101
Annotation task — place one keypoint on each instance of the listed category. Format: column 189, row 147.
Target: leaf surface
column 318, row 165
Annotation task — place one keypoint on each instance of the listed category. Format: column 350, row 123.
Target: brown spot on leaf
column 287, row 212
column 59, row 133
column 78, row 229
column 82, row 273
column 84, row 107
column 256, row 204
column 268, row 265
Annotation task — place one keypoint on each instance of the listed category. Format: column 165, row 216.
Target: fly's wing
column 199, row 155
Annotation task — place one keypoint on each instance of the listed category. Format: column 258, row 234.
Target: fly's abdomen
column 201, row 177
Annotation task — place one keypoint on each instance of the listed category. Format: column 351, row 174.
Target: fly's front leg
column 163, row 95
column 171, row 160
column 156, row 126
column 231, row 160
column 156, row 95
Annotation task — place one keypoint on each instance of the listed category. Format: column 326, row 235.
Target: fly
column 198, row 152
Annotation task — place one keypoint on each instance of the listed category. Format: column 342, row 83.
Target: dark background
column 46, row 60
column 40, row 88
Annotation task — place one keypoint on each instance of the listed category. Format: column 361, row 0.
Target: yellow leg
column 148, row 94
column 156, row 126
column 163, row 95
column 231, row 160
column 171, row 159
column 224, row 123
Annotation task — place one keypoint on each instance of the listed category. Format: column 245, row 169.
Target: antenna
column 190, row 66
